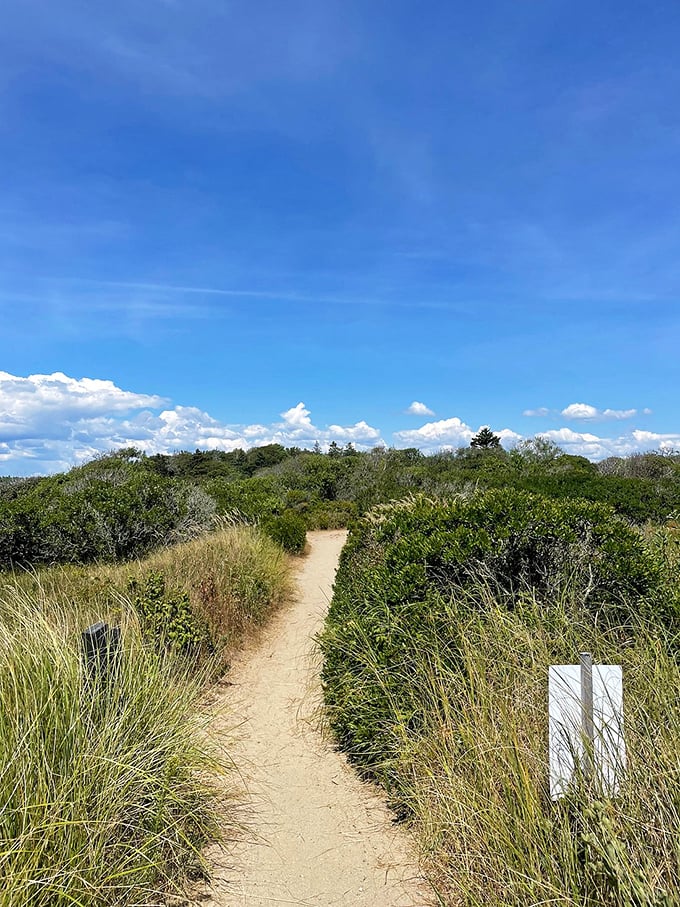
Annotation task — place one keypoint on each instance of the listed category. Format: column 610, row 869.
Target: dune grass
column 108, row 785
column 465, row 761
column 474, row 777
column 233, row 579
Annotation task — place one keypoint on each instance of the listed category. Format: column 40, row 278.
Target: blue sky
column 226, row 223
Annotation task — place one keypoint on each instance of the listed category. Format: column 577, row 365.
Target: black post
column 101, row 652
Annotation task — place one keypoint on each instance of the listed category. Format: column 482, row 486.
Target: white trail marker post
column 585, row 717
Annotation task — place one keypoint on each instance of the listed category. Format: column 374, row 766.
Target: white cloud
column 619, row 413
column 579, row 411
column 39, row 405
column 448, row 433
column 585, row 412
column 591, row 413
column 297, row 418
column 419, row 409
column 360, row 431
column 451, row 432
column 595, row 447
column 568, row 436
column 50, row 422
column 509, row 437
column 652, row 439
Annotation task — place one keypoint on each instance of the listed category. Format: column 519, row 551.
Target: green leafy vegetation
column 125, row 505
column 288, row 530
column 167, row 619
column 445, row 618
column 466, row 574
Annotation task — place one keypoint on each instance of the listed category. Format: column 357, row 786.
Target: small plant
column 167, row 619
column 289, row 530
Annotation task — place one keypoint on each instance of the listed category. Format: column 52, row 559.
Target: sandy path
column 318, row 836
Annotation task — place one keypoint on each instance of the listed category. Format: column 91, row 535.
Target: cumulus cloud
column 579, row 411
column 50, row 422
column 419, row 409
column 596, row 447
column 540, row 411
column 447, row 434
column 450, row 432
column 297, row 418
column 651, row 439
column 39, row 405
column 360, row 431
column 591, row 413
column 298, row 429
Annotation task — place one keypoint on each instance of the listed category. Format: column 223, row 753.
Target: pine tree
column 485, row 439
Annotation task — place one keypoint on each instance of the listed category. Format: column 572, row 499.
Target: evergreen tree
column 485, row 439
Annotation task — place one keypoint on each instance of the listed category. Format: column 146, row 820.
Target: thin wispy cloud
column 274, row 295
column 585, row 412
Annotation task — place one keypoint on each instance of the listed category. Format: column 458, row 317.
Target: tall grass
column 103, row 790
column 233, row 578
column 475, row 776
column 107, row 786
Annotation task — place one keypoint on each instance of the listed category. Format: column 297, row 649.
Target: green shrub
column 166, row 618
column 401, row 560
column 254, row 499
column 288, row 530
column 111, row 509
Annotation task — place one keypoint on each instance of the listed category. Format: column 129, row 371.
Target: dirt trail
column 318, row 836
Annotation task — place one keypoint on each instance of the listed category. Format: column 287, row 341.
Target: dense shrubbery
column 125, row 504
column 402, row 558
column 445, row 617
column 110, row 509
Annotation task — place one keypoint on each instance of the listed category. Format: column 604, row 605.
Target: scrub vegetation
column 445, row 618
column 125, row 504
column 465, row 575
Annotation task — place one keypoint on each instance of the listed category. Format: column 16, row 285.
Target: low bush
column 167, row 619
column 288, row 530
column 111, row 509
column 332, row 515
